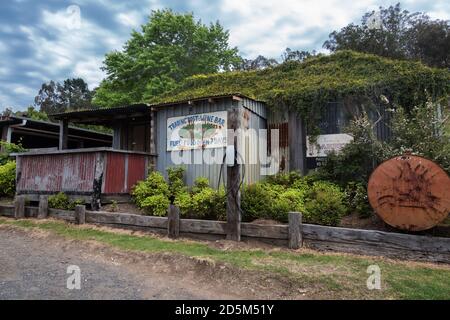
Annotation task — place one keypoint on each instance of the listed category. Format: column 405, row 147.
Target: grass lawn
column 326, row 275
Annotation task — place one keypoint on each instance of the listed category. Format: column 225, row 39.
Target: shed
column 272, row 109
column 35, row 134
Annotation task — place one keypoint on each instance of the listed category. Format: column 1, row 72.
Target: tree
column 430, row 42
column 396, row 33
column 169, row 48
column 259, row 63
column 32, row 113
column 76, row 94
column 49, row 99
column 73, row 94
column 297, row 55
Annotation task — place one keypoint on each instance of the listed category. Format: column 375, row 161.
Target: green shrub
column 114, row 206
column 7, row 149
column 184, row 201
column 63, row 202
column 357, row 200
column 176, row 183
column 203, row 201
column 357, row 159
column 156, row 205
column 264, row 200
column 286, row 179
column 199, row 184
column 8, row 179
column 324, row 204
column 59, row 201
column 152, row 194
column 74, row 203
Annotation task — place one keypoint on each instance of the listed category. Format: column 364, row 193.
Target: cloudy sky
column 44, row 40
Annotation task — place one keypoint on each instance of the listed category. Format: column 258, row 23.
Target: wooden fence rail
column 369, row 242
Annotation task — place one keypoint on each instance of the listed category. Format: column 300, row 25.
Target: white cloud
column 73, row 50
column 20, row 89
column 268, row 27
column 130, row 19
column 88, row 70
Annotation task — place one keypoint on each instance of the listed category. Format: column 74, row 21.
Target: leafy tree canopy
column 54, row 97
column 169, row 48
column 396, row 33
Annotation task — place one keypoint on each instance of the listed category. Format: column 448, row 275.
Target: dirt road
column 34, row 265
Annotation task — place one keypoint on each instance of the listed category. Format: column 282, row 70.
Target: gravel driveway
column 34, row 266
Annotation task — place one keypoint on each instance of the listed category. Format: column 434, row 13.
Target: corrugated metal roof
column 140, row 107
column 47, row 125
column 122, row 109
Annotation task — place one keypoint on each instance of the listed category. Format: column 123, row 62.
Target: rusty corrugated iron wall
column 122, row 172
column 57, row 172
column 74, row 172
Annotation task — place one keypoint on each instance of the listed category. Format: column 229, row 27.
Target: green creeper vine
column 308, row 86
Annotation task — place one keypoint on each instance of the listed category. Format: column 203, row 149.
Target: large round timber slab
column 410, row 193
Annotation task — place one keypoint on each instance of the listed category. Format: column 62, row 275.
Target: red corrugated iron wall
column 75, row 172
column 54, row 173
column 123, row 171
column 136, row 170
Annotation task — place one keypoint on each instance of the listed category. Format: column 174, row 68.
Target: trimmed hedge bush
column 8, row 179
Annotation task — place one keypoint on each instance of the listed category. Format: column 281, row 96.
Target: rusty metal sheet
column 410, row 193
column 115, row 177
column 54, row 173
column 136, row 170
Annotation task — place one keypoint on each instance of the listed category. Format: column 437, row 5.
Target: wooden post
column 295, row 230
column 233, row 180
column 43, row 207
column 173, row 221
column 98, row 182
column 152, row 131
column 63, row 134
column 19, row 207
column 117, row 143
column 80, row 214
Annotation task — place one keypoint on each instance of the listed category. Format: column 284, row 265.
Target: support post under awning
column 63, row 134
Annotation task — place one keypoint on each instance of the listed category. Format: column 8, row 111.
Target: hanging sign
column 327, row 143
column 197, row 131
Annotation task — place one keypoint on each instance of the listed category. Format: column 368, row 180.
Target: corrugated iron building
column 141, row 142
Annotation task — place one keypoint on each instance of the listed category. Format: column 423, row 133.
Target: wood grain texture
column 102, row 217
column 43, row 207
column 19, row 207
column 233, row 179
column 295, row 226
column 173, row 222
column 80, row 214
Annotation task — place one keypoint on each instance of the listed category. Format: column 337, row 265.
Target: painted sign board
column 197, row 131
column 326, row 143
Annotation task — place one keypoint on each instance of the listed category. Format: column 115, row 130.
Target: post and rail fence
column 294, row 235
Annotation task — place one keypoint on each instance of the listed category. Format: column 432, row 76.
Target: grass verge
column 323, row 275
